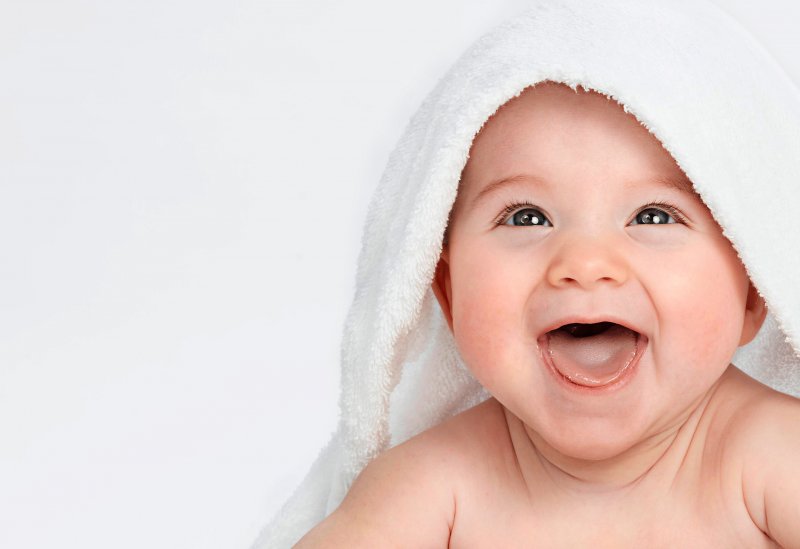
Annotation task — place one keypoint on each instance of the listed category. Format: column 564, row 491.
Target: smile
column 594, row 358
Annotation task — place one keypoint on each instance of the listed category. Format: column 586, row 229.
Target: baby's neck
column 651, row 462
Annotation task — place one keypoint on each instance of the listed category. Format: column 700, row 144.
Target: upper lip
column 590, row 319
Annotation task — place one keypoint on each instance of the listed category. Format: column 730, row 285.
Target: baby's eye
column 653, row 216
column 527, row 217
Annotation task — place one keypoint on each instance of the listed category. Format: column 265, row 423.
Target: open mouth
column 592, row 355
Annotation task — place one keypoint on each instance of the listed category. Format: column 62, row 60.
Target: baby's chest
column 488, row 519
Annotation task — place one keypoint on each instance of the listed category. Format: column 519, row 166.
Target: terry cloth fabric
column 689, row 73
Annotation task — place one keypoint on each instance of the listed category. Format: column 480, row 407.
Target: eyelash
column 671, row 209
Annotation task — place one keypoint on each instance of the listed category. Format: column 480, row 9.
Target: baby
column 589, row 289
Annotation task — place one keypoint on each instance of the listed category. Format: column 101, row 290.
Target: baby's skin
column 571, row 215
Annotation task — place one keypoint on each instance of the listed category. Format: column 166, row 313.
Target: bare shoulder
column 764, row 435
column 760, row 420
column 405, row 497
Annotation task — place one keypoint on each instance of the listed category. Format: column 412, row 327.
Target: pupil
column 653, row 216
column 527, row 217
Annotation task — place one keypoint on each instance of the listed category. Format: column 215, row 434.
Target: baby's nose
column 586, row 263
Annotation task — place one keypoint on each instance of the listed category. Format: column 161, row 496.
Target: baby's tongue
column 592, row 360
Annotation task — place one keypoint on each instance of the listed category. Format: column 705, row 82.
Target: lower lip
column 618, row 383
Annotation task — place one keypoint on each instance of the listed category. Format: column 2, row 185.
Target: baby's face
column 556, row 217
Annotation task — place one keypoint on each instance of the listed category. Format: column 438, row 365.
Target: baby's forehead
column 552, row 132
column 549, row 108
column 552, row 100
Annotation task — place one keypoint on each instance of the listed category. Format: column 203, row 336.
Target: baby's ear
column 754, row 314
column 441, row 286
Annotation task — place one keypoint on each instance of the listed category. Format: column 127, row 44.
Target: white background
column 183, row 186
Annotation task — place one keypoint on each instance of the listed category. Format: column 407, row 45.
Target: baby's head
column 569, row 211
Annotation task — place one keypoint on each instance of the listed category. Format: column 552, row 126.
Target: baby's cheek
column 484, row 324
column 478, row 320
column 706, row 312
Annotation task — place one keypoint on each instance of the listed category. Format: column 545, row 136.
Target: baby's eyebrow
column 504, row 182
column 681, row 184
